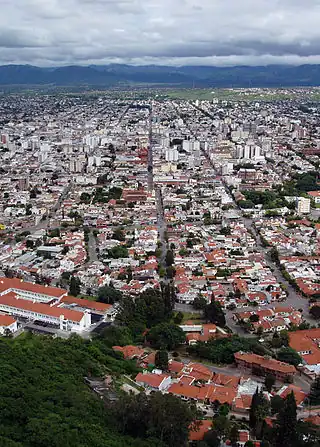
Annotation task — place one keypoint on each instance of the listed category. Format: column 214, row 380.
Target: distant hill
column 186, row 76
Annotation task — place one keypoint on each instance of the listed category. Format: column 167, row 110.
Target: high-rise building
column 23, row 183
column 172, row 154
column 303, row 205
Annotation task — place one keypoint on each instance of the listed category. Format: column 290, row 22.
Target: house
column 129, row 352
column 242, row 403
column 199, row 332
column 7, row 323
column 207, row 393
column 153, row 382
column 148, row 361
column 264, row 365
column 244, row 437
column 299, row 395
column 315, row 195
column 199, row 429
column 175, row 367
column 307, row 344
column 197, row 371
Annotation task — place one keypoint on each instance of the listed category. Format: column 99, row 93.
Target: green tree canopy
column 74, row 286
column 162, row 359
column 108, row 295
column 289, row 355
column 214, row 314
column 166, row 336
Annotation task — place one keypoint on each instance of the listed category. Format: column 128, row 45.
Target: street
column 92, row 248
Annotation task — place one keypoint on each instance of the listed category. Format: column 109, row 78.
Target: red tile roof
column 129, row 351
column 19, row 284
column 175, row 367
column 6, row 320
column 153, row 380
column 211, row 392
column 264, row 362
column 306, row 340
column 93, row 305
column 11, row 300
column 298, row 393
column 199, row 429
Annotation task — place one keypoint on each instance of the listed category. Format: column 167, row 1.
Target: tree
column 260, row 331
column 52, row 399
column 146, row 311
column 286, row 423
column 116, row 336
column 199, row 302
column 222, row 350
column 168, row 296
column 29, row 243
column 211, row 439
column 226, row 231
column 315, row 311
column 85, row 197
column 169, row 258
column 166, row 336
column 259, row 409
column 254, row 318
column 234, row 435
column 276, row 403
column 213, row 312
column 119, row 235
column 269, row 381
column 314, row 395
column 221, row 425
column 161, row 360
column 118, row 252
column 109, row 295
column 289, row 355
column 170, row 272
column 178, row 318
column 160, row 416
column 74, row 286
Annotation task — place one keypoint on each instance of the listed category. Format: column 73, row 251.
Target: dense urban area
column 160, row 269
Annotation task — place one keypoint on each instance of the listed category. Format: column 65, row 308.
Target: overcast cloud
column 175, row 32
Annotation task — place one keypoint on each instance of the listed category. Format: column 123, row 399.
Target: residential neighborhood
column 185, row 234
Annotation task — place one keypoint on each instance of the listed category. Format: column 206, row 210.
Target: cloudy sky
column 174, row 32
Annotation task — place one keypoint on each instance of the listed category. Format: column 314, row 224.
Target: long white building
column 30, row 291
column 65, row 319
column 37, row 302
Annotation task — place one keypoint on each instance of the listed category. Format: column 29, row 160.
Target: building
column 23, row 183
column 130, row 351
column 30, row 291
column 303, row 205
column 315, row 195
column 172, row 154
column 155, row 382
column 94, row 307
column 199, row 332
column 307, row 344
column 264, row 365
column 64, row 319
column 51, row 251
column 7, row 325
column 199, row 429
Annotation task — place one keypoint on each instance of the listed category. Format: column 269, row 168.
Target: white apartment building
column 303, row 205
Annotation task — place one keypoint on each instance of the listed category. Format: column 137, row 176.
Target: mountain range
column 184, row 76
